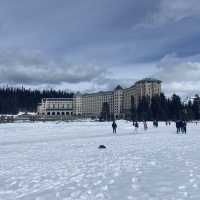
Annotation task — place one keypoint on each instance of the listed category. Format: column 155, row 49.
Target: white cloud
column 175, row 10
column 180, row 75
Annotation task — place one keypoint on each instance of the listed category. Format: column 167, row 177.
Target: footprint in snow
column 134, row 180
column 100, row 196
column 98, row 182
column 195, row 186
column 38, row 198
column 85, row 185
column 89, row 191
column 182, row 187
column 57, row 194
column 75, row 194
column 105, row 188
column 111, row 181
column 153, row 163
column 116, row 174
column 13, row 183
column 135, row 187
column 192, row 180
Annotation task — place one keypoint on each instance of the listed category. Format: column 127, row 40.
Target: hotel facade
column 90, row 105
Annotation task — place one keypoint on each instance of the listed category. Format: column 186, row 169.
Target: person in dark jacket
column 155, row 123
column 114, row 127
column 184, row 127
column 145, row 125
column 136, row 126
column 178, row 126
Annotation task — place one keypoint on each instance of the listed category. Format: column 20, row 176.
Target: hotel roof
column 149, row 80
column 99, row 93
column 58, row 99
column 119, row 87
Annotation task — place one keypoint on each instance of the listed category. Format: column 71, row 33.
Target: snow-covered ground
column 50, row 161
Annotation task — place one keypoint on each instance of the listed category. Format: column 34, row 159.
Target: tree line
column 158, row 107
column 161, row 108
column 14, row 100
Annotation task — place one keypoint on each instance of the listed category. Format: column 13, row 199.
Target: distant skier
column 181, row 126
column 114, row 127
column 168, row 123
column 136, row 126
column 178, row 126
column 145, row 125
column 184, row 127
column 155, row 123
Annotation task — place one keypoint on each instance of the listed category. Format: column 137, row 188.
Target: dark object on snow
column 155, row 123
column 181, row 126
column 136, row 125
column 102, row 147
column 114, row 126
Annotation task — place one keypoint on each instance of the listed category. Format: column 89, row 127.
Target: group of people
column 135, row 124
column 168, row 123
column 181, row 127
column 155, row 123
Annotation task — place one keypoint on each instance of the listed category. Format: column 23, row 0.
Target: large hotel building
column 90, row 105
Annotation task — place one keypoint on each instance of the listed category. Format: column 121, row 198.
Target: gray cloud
column 180, row 75
column 82, row 42
column 33, row 68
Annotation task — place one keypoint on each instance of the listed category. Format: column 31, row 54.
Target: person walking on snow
column 184, row 128
column 114, row 127
column 145, row 125
column 178, row 126
column 136, row 127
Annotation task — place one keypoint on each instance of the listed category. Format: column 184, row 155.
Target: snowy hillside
column 50, row 161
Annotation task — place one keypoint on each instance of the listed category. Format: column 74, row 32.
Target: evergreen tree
column 133, row 109
column 176, row 107
column 105, row 113
column 189, row 115
column 155, row 107
column 196, row 107
column 143, row 109
column 13, row 100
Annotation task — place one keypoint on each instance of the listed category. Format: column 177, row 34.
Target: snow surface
column 50, row 161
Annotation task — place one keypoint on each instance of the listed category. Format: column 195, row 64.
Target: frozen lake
column 50, row 161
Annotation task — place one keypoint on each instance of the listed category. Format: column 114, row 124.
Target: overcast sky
column 90, row 45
